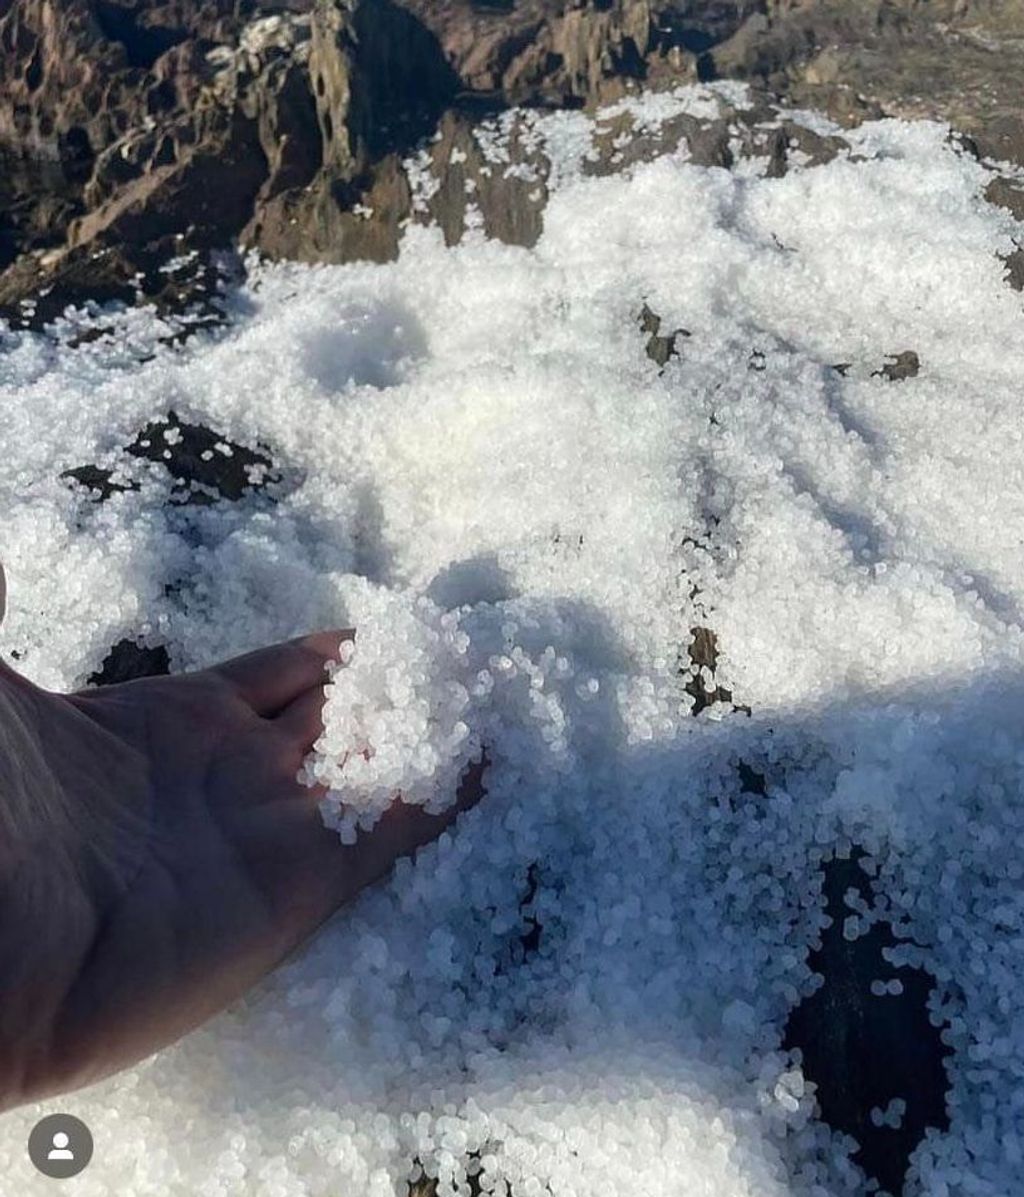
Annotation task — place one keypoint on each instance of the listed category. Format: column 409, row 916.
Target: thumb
column 403, row 829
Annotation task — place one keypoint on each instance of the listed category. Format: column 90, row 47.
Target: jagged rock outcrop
column 955, row 60
column 131, row 129
column 270, row 121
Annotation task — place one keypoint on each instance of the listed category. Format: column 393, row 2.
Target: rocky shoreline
column 135, row 133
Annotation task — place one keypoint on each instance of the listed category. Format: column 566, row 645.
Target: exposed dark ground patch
column 660, row 347
column 204, row 466
column 129, row 660
column 905, row 364
column 863, row 1050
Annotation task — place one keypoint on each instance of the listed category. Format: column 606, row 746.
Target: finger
column 301, row 864
column 302, row 719
column 271, row 678
column 404, row 828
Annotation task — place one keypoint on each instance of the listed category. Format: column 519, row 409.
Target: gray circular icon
column 60, row 1145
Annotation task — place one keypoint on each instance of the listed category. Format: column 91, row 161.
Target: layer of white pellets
column 581, row 990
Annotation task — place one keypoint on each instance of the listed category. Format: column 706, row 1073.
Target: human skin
column 158, row 856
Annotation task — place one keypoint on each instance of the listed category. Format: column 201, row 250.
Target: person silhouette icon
column 60, row 1145
column 60, row 1149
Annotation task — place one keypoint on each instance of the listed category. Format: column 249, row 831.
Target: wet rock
column 129, row 660
column 865, row 1050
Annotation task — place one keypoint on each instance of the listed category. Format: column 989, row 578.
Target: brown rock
column 543, row 52
column 900, row 366
column 38, row 289
column 510, row 196
column 1007, row 195
column 281, row 123
column 336, row 220
column 660, row 348
column 953, row 60
column 1014, row 263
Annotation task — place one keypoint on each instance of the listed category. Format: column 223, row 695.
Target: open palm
column 173, row 861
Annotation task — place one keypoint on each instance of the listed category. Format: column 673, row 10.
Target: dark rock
column 1007, row 195
column 703, row 654
column 545, row 52
column 710, row 141
column 205, row 189
column 778, row 151
column 99, row 482
column 129, row 660
column 659, row 348
column 818, row 149
column 324, row 222
column 530, row 938
column 205, row 466
column 426, row 1187
column 39, row 289
column 1014, row 263
column 34, row 292
column 127, row 22
column 278, row 124
column 862, row 1050
column 751, row 780
column 1000, row 138
column 398, row 80
column 510, row 199
column 270, row 122
column 899, row 366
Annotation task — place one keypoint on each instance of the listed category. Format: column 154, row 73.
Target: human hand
column 159, row 856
